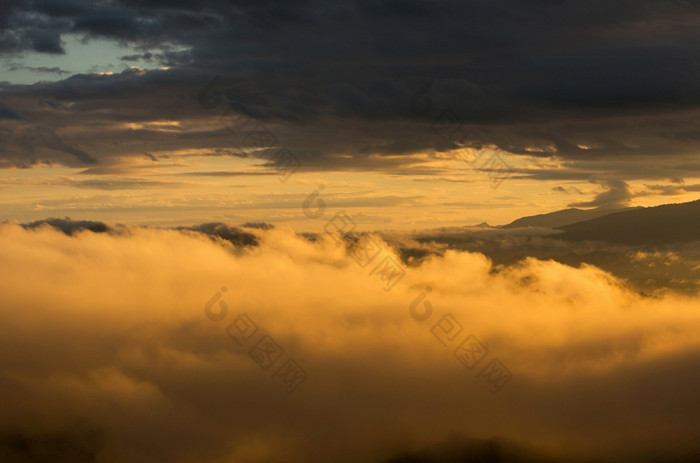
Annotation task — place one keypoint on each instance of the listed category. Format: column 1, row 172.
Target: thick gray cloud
column 7, row 113
column 580, row 80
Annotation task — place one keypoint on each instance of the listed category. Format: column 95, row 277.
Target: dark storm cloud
column 45, row 69
column 51, row 141
column 582, row 80
column 25, row 146
column 7, row 113
column 143, row 56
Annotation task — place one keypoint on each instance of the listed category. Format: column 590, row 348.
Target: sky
column 407, row 112
column 254, row 231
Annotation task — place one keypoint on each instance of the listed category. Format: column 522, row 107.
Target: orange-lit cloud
column 108, row 332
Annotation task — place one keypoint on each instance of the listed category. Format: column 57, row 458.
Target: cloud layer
column 105, row 340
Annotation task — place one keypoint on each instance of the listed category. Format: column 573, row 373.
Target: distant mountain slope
column 561, row 218
column 651, row 225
